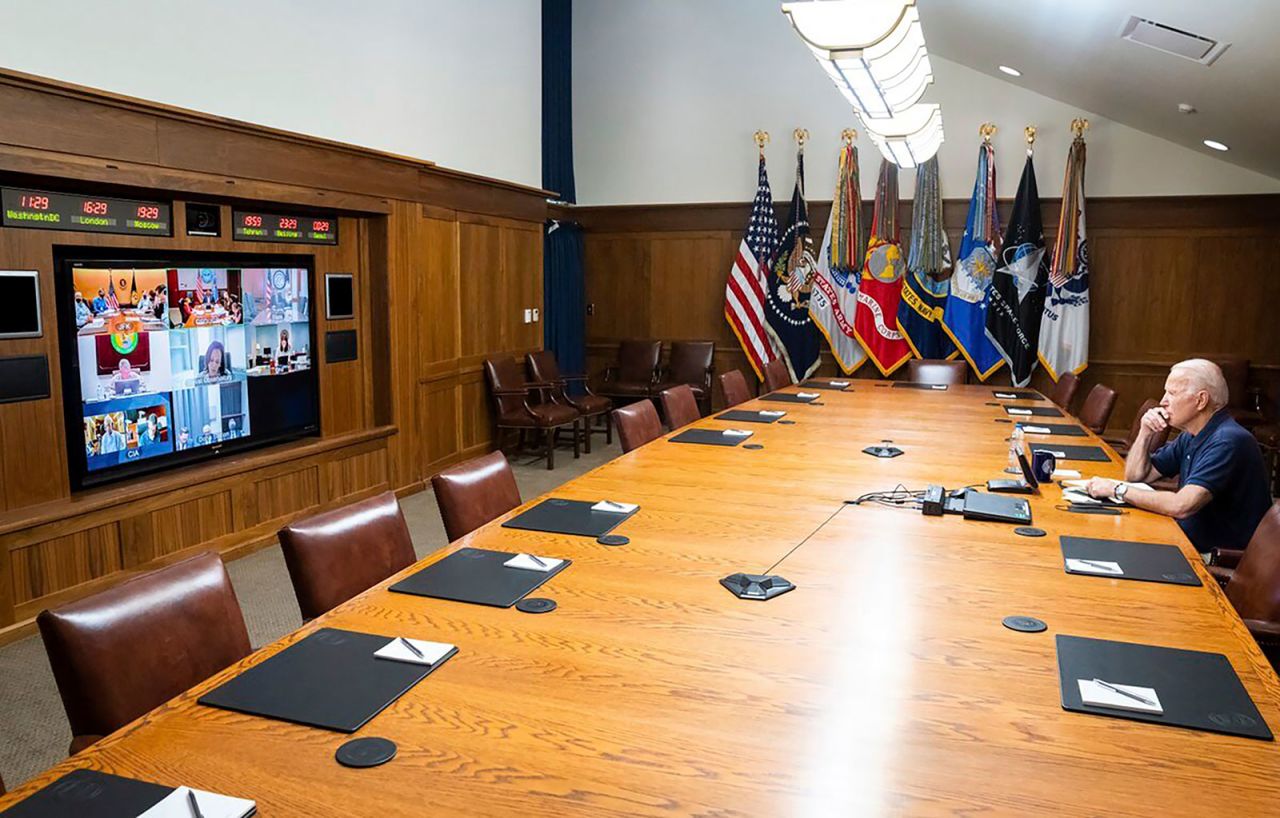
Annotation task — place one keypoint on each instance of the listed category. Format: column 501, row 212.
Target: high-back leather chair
column 932, row 370
column 1252, row 582
column 523, row 406
column 691, row 364
column 1241, row 401
column 129, row 649
column 471, row 494
column 1064, row 391
column 637, row 424
column 635, row 372
column 1097, row 408
column 734, row 386
column 543, row 368
column 776, row 375
column 2, row 789
column 1122, row 446
column 335, row 555
column 679, row 405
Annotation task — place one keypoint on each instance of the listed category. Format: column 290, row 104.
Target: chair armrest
column 1227, row 557
column 1222, row 575
column 507, row 393
column 1265, row 632
column 573, row 377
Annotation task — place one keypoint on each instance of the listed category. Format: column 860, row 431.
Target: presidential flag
column 834, row 299
column 1064, row 326
column 744, row 290
column 964, row 318
column 1017, row 288
column 789, row 285
column 925, row 286
column 880, row 291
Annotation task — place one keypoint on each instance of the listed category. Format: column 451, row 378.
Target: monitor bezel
column 34, row 275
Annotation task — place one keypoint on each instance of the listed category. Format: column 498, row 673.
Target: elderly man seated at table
column 1222, row 481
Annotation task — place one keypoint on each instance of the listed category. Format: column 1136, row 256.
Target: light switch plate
column 528, row 316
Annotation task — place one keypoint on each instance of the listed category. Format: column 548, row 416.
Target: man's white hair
column 1203, row 375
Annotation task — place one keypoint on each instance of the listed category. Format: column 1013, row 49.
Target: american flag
column 744, row 292
column 112, row 302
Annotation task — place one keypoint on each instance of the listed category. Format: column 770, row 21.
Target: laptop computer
column 996, row 508
column 1027, row 484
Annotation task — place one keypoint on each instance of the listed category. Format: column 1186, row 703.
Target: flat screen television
column 172, row 358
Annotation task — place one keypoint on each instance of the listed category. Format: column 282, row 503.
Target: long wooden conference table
column 885, row 684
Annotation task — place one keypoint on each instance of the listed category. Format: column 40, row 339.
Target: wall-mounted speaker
column 340, row 346
column 339, row 297
column 24, row 377
column 20, row 304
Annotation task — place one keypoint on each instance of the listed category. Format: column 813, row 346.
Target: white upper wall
column 667, row 95
column 459, row 84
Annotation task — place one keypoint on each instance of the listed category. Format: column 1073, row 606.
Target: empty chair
column 1064, row 391
column 776, row 375
column 129, row 649
column 544, row 369
column 679, row 405
column 525, row 407
column 1122, row 446
column 637, row 424
column 932, row 370
column 471, row 494
column 635, row 372
column 691, row 363
column 734, row 387
column 335, row 555
column 2, row 789
column 1097, row 408
column 1252, row 581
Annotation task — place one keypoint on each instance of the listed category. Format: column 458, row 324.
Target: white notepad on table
column 212, row 805
column 1104, row 693
column 1064, row 475
column 937, row 386
column 841, row 384
column 396, row 651
column 808, row 394
column 1036, row 430
column 772, row 413
column 526, row 562
column 736, row 433
column 615, row 507
column 1016, row 411
column 1007, row 395
column 1101, row 567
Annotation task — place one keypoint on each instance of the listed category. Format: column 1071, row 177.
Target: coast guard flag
column 1064, row 327
column 788, row 288
column 964, row 318
column 880, row 291
column 1017, row 289
column 925, row 286
column 744, row 291
column 834, row 299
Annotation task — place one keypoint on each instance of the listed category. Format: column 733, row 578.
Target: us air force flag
column 788, row 288
column 1017, row 289
column 964, row 317
column 925, row 286
column 1064, row 327
column 834, row 300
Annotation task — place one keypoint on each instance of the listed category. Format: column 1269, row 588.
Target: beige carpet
column 33, row 728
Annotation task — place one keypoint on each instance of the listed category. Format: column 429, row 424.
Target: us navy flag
column 1018, row 286
column 789, row 286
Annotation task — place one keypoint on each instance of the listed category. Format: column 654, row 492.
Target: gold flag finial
column 1030, row 132
column 802, row 136
column 1079, row 126
column 849, row 135
column 762, row 139
column 987, row 130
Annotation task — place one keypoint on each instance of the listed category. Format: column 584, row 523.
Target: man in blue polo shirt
column 1222, row 482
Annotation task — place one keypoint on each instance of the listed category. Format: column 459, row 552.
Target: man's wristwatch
column 1119, row 492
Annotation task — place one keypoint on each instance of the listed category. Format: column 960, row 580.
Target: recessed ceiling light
column 1013, row 72
column 1217, row 146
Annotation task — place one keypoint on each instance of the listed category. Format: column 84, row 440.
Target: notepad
column 1037, row 430
column 772, row 413
column 807, row 394
column 212, row 805
column 1105, row 693
column 1107, row 567
column 1015, row 411
column 1006, row 395
column 839, row 383
column 526, row 562
column 1064, row 474
column 736, row 433
column 432, row 652
column 615, row 507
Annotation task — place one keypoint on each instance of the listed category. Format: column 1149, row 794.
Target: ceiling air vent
column 1173, row 41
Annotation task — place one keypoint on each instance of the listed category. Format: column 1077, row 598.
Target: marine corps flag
column 1064, row 327
column 964, row 318
column 1017, row 288
column 834, row 300
column 925, row 286
column 880, row 291
column 788, row 288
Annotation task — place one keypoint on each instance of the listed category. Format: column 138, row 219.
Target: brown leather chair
column 679, row 405
column 2, row 789
column 335, row 555
column 1097, row 408
column 527, row 407
column 734, row 386
column 1122, row 446
column 637, row 424
column 932, row 370
column 471, row 494
column 691, row 363
column 129, row 649
column 636, row 371
column 1241, row 401
column 543, row 368
column 1252, row 581
column 776, row 375
column 1064, row 391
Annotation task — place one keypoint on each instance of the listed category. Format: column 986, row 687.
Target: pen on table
column 612, row 504
column 412, row 648
column 1096, row 564
column 195, row 805
column 1124, row 692
column 535, row 559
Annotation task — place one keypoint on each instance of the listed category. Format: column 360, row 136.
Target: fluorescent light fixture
column 910, row 138
column 1216, row 145
column 1013, row 72
column 873, row 50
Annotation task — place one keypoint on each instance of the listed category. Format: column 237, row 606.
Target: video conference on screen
column 168, row 356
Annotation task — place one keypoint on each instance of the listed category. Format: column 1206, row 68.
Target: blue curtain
column 564, row 307
column 557, row 98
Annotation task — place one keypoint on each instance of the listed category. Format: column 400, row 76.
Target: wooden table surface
column 885, row 684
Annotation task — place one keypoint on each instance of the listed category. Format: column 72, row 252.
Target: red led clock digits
column 288, row 224
column 252, row 221
column 148, row 212
column 320, row 227
column 34, row 202
column 94, row 208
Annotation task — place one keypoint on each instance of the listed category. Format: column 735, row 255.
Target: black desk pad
column 824, row 385
column 90, row 794
column 1018, row 394
column 1073, row 452
column 573, row 517
column 743, row 416
column 787, row 397
column 330, row 680
column 1036, row 411
column 1197, row 690
column 928, row 387
column 1056, row 429
column 707, row 437
column 1145, row 562
column 476, row 575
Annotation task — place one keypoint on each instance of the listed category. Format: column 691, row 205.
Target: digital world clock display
column 43, row 210
column 275, row 227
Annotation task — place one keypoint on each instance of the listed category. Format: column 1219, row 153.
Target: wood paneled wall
column 1171, row 277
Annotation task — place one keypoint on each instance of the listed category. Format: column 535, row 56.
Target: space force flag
column 1064, row 326
column 788, row 289
column 1017, row 288
column 925, row 286
column 964, row 318
column 880, row 290
column 834, row 300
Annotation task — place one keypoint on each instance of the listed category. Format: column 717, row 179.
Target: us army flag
column 925, row 286
column 1064, row 327
column 964, row 318
column 1017, row 288
column 834, row 300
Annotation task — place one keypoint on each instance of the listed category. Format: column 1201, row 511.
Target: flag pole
column 762, row 139
column 849, row 135
column 1030, row 133
column 987, row 130
column 1078, row 127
